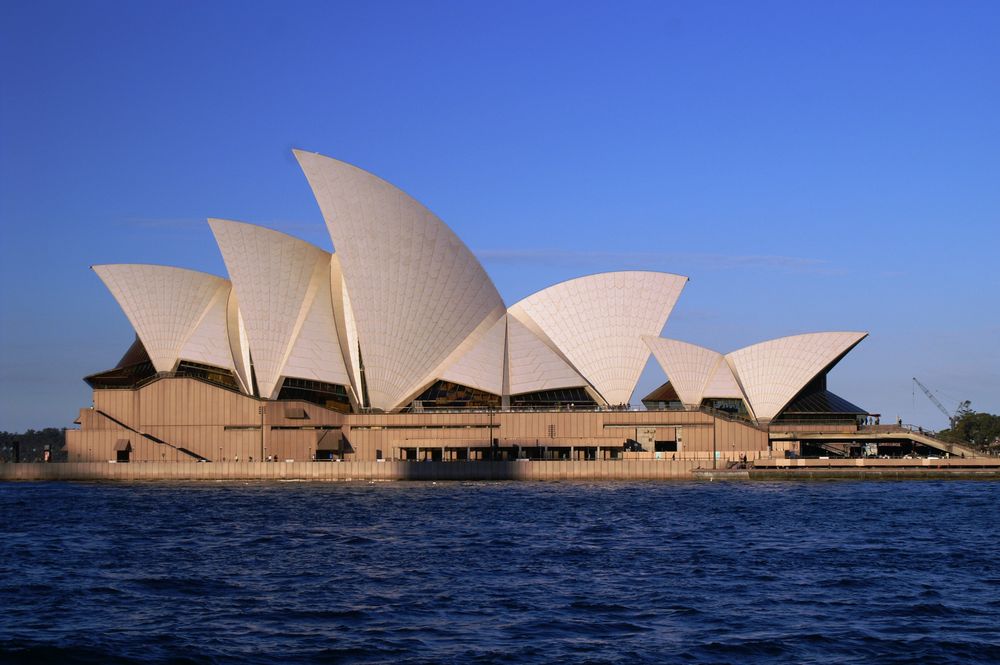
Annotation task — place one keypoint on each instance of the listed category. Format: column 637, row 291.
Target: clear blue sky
column 810, row 165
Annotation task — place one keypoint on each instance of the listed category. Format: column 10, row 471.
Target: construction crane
column 952, row 417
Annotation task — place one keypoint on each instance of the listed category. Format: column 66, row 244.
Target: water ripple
column 846, row 572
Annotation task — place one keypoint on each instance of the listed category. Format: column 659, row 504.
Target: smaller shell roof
column 773, row 372
column 174, row 311
column 284, row 292
column 689, row 367
column 596, row 324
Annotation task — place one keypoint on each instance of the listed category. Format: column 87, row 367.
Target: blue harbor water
column 837, row 572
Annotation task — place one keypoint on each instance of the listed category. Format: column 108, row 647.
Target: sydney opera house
column 399, row 347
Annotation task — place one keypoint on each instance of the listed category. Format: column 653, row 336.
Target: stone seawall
column 533, row 470
column 387, row 470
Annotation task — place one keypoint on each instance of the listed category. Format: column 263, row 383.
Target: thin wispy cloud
column 584, row 258
column 201, row 223
column 169, row 223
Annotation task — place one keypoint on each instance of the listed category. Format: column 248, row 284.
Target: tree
column 980, row 430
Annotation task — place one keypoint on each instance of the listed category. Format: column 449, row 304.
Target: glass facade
column 328, row 395
column 554, row 399
column 216, row 375
column 734, row 407
column 448, row 395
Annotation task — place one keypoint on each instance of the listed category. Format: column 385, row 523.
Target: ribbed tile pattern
column 722, row 384
column 597, row 323
column 688, row 366
column 209, row 342
column 533, row 365
column 165, row 306
column 773, row 372
column 418, row 292
column 482, row 365
column 316, row 352
column 283, row 285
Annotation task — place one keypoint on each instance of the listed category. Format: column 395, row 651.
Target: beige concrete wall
column 223, row 425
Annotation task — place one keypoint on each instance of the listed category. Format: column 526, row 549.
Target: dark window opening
column 134, row 368
column 562, row 398
column 448, row 395
column 328, row 395
column 216, row 375
column 665, row 446
column 734, row 407
column 123, row 450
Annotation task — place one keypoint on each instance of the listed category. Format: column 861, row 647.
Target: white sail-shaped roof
column 177, row 313
column 533, row 365
column 209, row 341
column 481, row 366
column 417, row 290
column 688, row 366
column 721, row 383
column 283, row 286
column 773, row 372
column 597, row 322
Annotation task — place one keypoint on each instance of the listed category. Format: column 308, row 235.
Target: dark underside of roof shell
column 821, row 402
column 665, row 393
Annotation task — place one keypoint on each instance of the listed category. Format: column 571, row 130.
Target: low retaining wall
column 876, row 463
column 534, row 470
column 387, row 470
column 876, row 473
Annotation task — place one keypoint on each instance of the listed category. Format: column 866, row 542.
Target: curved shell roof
column 177, row 313
column 597, row 322
column 690, row 368
column 771, row 373
column 722, row 383
column 532, row 365
column 283, row 286
column 481, row 365
column 417, row 290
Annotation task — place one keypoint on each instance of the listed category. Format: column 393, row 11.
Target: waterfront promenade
column 502, row 470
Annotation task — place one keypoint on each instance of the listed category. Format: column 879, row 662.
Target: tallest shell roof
column 419, row 293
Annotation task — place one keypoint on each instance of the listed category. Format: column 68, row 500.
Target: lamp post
column 715, row 426
column 489, row 433
column 260, row 409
